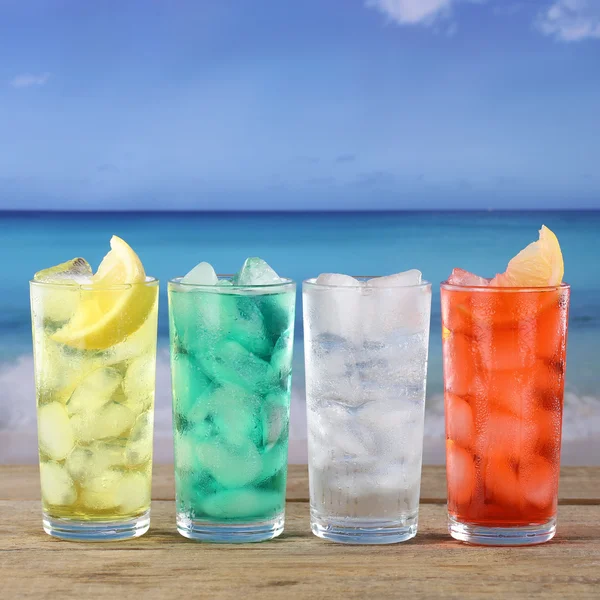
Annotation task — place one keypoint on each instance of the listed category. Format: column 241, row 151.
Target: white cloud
column 411, row 12
column 28, row 80
column 571, row 20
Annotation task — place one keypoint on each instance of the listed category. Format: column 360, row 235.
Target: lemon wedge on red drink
column 113, row 305
column 538, row 265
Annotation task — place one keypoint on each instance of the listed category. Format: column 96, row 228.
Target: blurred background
column 357, row 136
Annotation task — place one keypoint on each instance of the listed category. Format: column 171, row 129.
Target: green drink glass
column 231, row 365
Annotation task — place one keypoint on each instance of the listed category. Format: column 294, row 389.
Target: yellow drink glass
column 95, row 358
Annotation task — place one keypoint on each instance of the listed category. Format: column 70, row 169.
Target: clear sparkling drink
column 366, row 348
column 231, row 350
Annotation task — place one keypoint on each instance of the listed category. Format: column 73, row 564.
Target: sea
column 299, row 246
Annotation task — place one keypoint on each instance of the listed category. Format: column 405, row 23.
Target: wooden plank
column 162, row 564
column 578, row 485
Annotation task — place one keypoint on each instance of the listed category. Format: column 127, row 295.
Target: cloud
column 345, row 158
column 412, row 12
column 571, row 20
column 375, row 179
column 321, row 181
column 508, row 10
column 108, row 168
column 307, row 160
column 26, row 80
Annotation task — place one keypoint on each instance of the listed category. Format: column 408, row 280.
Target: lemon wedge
column 538, row 265
column 114, row 305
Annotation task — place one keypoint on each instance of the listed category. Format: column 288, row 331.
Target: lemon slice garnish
column 538, row 265
column 114, row 305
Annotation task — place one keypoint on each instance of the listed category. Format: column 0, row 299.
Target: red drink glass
column 504, row 367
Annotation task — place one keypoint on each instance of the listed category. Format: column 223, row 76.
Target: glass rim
column 92, row 287
column 501, row 289
column 286, row 282
column 312, row 282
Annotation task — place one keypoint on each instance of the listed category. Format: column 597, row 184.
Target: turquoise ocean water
column 301, row 245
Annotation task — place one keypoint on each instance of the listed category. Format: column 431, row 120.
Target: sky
column 299, row 104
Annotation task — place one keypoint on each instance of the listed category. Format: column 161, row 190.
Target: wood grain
column 162, row 564
column 578, row 485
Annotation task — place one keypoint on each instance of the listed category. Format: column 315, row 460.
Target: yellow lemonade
column 95, row 354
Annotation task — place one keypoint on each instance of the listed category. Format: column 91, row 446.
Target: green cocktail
column 231, row 358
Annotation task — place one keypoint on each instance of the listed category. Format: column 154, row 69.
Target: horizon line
column 5, row 211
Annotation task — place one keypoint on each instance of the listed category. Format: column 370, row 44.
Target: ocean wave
column 18, row 407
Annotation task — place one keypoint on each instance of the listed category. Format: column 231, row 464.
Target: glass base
column 228, row 533
column 525, row 535
column 353, row 530
column 96, row 531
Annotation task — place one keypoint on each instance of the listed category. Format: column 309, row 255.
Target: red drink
column 504, row 366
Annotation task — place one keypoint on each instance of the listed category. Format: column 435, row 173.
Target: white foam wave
column 18, row 415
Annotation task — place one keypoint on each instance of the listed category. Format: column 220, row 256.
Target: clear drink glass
column 504, row 368
column 366, row 366
column 95, row 402
column 231, row 363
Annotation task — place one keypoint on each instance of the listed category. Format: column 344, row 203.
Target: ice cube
column 190, row 384
column 138, row 384
column 69, row 271
column 406, row 278
column 501, row 434
column 57, row 486
column 196, row 318
column 462, row 277
column 139, row 445
column 185, row 451
column 61, row 370
column 55, row 304
column 230, row 362
column 140, row 343
column 500, row 480
column 111, row 421
column 201, row 274
column 334, row 434
column 234, row 412
column 273, row 460
column 337, row 310
column 278, row 312
column 399, row 420
column 460, row 424
column 242, row 504
column 396, row 308
column 94, row 391
column 337, row 279
column 461, row 474
column 231, row 467
column 538, row 480
column 275, row 419
column 89, row 462
column 244, row 323
column 256, row 271
column 281, row 359
column 100, row 493
column 54, row 431
column 336, row 372
column 132, row 493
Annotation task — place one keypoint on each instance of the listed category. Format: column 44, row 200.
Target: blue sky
column 282, row 104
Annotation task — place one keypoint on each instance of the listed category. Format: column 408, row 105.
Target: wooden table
column 162, row 564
